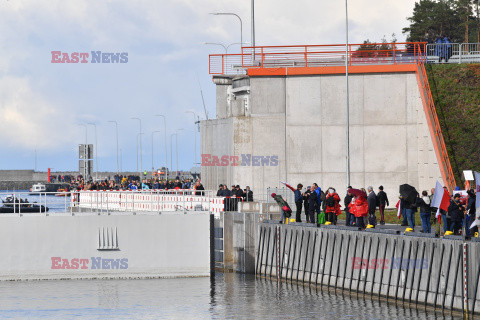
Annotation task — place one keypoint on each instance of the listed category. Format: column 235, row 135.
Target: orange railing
column 435, row 129
column 335, row 55
column 316, row 56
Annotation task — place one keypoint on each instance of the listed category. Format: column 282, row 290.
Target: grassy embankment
column 456, row 92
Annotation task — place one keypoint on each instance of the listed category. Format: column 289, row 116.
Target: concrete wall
column 301, row 119
column 165, row 245
column 325, row 256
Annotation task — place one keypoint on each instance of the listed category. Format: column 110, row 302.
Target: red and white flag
column 399, row 209
column 288, row 186
column 441, row 200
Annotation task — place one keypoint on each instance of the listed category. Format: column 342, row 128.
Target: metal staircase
column 434, row 126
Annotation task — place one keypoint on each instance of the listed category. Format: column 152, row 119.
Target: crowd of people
column 460, row 215
column 120, row 182
column 235, row 191
column 360, row 207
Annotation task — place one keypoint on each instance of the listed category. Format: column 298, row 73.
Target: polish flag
column 399, row 209
column 288, row 186
column 441, row 200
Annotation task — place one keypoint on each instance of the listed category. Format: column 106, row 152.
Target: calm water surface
column 54, row 204
column 229, row 296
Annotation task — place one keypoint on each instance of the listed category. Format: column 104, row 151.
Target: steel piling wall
column 404, row 268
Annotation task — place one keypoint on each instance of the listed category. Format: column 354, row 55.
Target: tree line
column 458, row 20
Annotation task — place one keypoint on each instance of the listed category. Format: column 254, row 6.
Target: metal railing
column 38, row 202
column 143, row 201
column 316, row 56
column 453, row 52
column 435, row 128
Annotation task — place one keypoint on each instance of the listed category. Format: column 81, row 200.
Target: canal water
column 54, row 204
column 229, row 296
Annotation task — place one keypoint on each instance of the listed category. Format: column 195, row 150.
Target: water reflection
column 228, row 296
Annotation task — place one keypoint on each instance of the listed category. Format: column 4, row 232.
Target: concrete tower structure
column 290, row 126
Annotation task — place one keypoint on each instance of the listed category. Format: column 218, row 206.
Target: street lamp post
column 138, row 138
column 86, row 148
column 140, row 134
column 253, row 23
column 116, row 135
column 347, row 99
column 153, row 168
column 232, row 14
column 165, row 135
column 225, row 47
column 96, row 150
column 176, row 148
column 195, row 122
column 86, row 132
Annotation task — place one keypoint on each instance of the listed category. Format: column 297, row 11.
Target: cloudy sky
column 42, row 103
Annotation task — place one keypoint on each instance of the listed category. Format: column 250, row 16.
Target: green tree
column 432, row 19
column 435, row 18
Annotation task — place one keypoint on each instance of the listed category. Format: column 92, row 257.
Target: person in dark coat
column 199, row 189
column 248, row 194
column 372, row 205
column 298, row 202
column 220, row 191
column 313, row 204
column 305, row 202
column 471, row 209
column 456, row 213
column 382, row 203
column 346, row 202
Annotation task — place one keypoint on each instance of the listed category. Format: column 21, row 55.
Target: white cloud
column 41, row 103
column 29, row 120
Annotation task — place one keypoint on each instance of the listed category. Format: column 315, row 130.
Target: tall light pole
column 138, row 138
column 121, row 161
column 176, row 147
column 253, row 23
column 86, row 132
column 165, row 134
column 225, row 47
column 96, row 150
column 232, row 14
column 116, row 135
column 140, row 135
column 347, row 100
column 195, row 122
column 153, row 168
column 86, row 150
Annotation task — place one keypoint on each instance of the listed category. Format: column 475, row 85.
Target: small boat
column 15, row 205
column 62, row 193
column 38, row 187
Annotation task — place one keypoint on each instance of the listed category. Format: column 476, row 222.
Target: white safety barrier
column 148, row 201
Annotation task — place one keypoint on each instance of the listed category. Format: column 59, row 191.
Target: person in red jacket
column 361, row 210
column 332, row 206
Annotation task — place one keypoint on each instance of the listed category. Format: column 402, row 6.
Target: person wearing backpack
column 332, row 205
column 424, row 204
column 284, row 207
